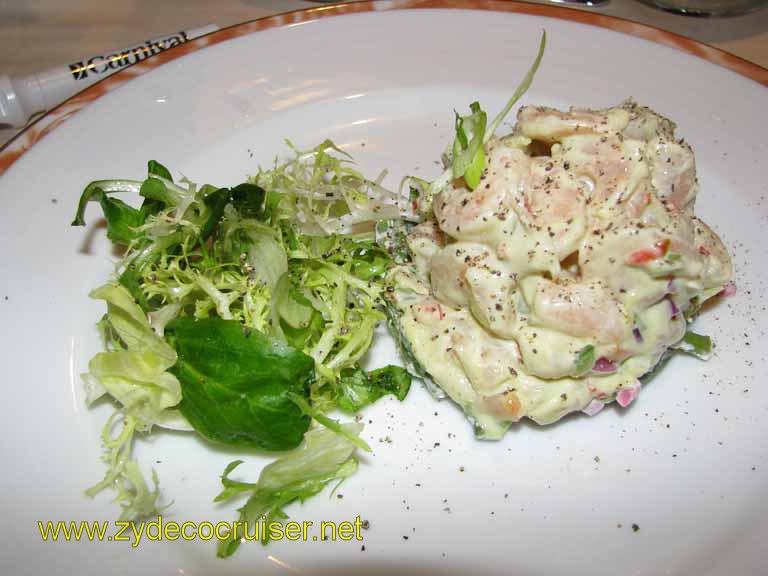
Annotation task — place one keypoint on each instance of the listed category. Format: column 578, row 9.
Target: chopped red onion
column 675, row 309
column 604, row 365
column 638, row 335
column 671, row 288
column 729, row 289
column 626, row 396
column 593, row 407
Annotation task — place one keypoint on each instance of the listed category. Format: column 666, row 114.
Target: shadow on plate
column 96, row 227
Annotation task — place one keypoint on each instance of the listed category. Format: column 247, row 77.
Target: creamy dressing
column 561, row 278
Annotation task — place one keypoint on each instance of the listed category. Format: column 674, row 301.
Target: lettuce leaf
column 696, row 345
column 154, row 168
column 329, row 423
column 237, row 383
column 359, row 388
column 133, row 371
column 124, row 474
column 139, row 381
column 122, row 219
column 323, row 457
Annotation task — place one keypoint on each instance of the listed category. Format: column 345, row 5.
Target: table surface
column 39, row 34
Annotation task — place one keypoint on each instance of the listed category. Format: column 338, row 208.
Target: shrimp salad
column 564, row 272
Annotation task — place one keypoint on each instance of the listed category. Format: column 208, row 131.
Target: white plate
column 687, row 463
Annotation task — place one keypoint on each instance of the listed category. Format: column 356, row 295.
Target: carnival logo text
column 108, row 64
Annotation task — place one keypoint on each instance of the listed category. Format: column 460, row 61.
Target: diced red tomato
column 659, row 250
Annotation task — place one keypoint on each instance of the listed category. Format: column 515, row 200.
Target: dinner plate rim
column 48, row 122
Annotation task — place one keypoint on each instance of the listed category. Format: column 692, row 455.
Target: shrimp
column 615, row 167
column 550, row 125
column 448, row 270
column 488, row 362
column 645, row 124
column 469, row 275
column 717, row 263
column 673, row 173
column 428, row 312
column 606, row 253
column 673, row 169
column 557, row 202
column 541, row 192
column 551, row 354
column 424, row 241
column 471, row 214
column 617, row 149
column 580, row 309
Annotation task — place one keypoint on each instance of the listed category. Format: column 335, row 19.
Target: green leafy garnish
column 154, row 168
column 122, row 220
column 154, row 189
column 123, row 473
column 392, row 236
column 248, row 200
column 329, row 423
column 468, row 153
column 133, row 371
column 467, row 159
column 696, row 344
column 520, row 90
column 359, row 388
column 323, row 457
column 585, row 360
column 236, row 383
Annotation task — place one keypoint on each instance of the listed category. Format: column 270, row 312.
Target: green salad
column 242, row 314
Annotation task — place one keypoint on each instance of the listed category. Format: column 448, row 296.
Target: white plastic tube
column 21, row 97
